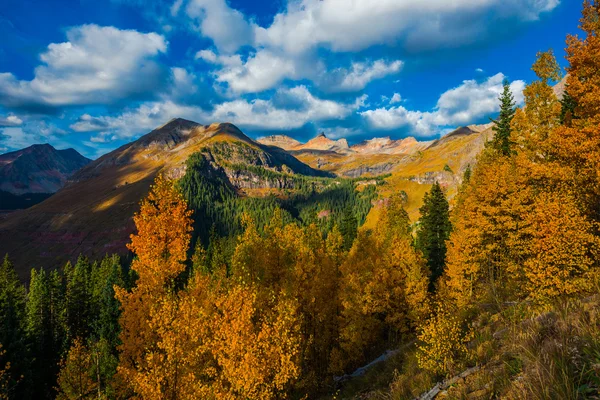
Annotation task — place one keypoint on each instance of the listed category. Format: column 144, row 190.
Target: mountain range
column 92, row 214
column 38, row 169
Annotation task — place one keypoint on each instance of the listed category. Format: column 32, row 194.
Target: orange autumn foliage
column 302, row 264
column 384, row 285
column 521, row 229
column 211, row 339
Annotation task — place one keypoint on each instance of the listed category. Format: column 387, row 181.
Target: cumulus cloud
column 462, row 105
column 288, row 109
column 262, row 71
column 18, row 137
column 351, row 26
column 10, row 120
column 359, row 75
column 97, row 65
column 396, row 98
column 227, row 27
column 290, row 47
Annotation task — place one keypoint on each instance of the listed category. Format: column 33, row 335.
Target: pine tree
column 78, row 298
column 434, row 230
column 348, row 227
column 502, row 140
column 12, row 325
column 40, row 332
column 567, row 112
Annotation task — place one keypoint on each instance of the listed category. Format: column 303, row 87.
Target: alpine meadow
column 332, row 228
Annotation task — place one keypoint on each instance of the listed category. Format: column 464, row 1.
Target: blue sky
column 94, row 75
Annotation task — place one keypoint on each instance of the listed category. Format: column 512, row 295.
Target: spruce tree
column 78, row 298
column 40, row 334
column 501, row 141
column 567, row 111
column 434, row 230
column 348, row 227
column 12, row 326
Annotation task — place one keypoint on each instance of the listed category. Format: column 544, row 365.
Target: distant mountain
column 92, row 214
column 38, row 169
column 281, row 141
column 386, row 145
column 321, row 142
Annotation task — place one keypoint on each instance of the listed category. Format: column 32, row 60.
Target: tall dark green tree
column 501, row 141
column 78, row 297
column 567, row 111
column 12, row 327
column 348, row 227
column 434, row 229
column 41, row 329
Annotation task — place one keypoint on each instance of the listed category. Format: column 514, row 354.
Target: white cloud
column 227, row 27
column 359, row 75
column 97, row 65
column 343, row 25
column 396, row 98
column 37, row 132
column 480, row 70
column 462, row 105
column 11, row 120
column 288, row 109
column 262, row 71
column 267, row 114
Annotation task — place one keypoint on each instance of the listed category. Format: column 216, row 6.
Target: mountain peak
column 321, row 135
column 39, row 168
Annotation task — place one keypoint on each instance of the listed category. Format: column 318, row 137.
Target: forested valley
column 236, row 297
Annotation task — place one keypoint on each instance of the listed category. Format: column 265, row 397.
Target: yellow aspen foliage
column 442, row 343
column 483, row 257
column 583, row 54
column 302, row 264
column 160, row 245
column 74, row 379
column 256, row 346
column 562, row 248
column 163, row 235
column 384, row 284
column 577, row 146
column 542, row 108
column 214, row 338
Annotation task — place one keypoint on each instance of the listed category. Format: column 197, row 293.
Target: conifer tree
column 348, row 227
column 434, row 230
column 40, row 332
column 502, row 141
column 12, row 320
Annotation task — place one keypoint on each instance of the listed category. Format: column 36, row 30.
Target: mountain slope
column 92, row 214
column 38, row 169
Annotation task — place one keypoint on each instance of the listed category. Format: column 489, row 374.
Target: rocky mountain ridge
column 39, row 168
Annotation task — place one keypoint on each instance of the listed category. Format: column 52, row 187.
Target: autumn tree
column 75, row 380
column 160, row 245
column 576, row 146
column 434, row 230
column 383, row 286
column 300, row 263
column 212, row 337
